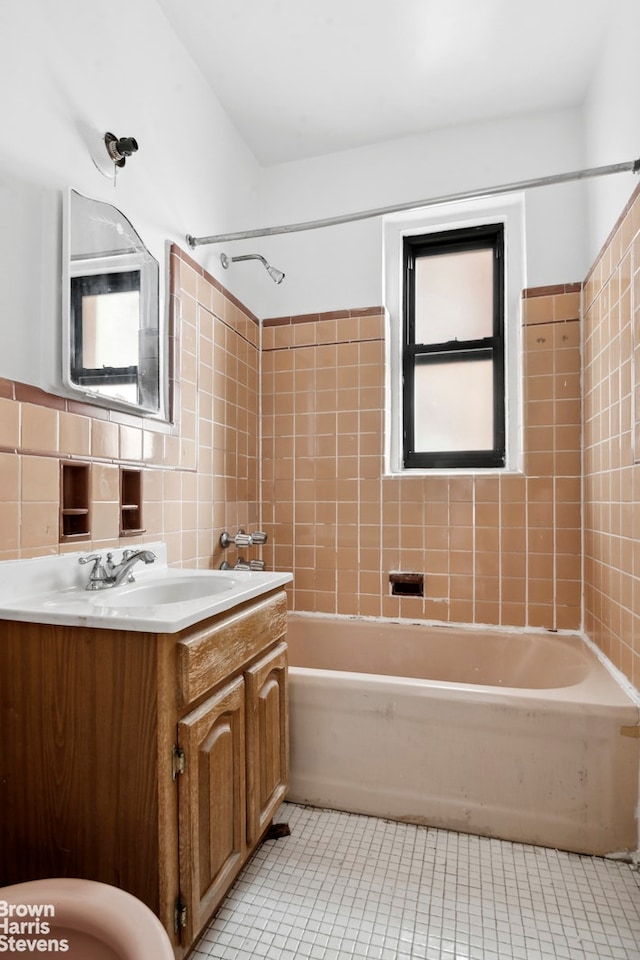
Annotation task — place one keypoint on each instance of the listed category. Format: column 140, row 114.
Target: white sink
column 162, row 599
column 163, row 590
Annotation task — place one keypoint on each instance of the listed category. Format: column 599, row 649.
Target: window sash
column 97, row 285
column 457, row 351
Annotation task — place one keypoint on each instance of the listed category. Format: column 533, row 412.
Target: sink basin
column 162, row 599
column 163, row 591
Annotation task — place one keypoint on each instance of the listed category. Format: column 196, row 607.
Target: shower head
column 276, row 275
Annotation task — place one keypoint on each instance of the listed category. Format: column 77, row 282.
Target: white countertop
column 52, row 590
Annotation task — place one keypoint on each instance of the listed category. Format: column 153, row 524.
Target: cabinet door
column 267, row 739
column 211, row 803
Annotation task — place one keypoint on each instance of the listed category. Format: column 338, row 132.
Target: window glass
column 107, row 341
column 110, row 323
column 454, row 405
column 454, row 296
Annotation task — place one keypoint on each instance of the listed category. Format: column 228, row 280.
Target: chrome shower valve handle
column 242, row 539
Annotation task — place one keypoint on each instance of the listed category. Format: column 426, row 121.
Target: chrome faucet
column 109, row 574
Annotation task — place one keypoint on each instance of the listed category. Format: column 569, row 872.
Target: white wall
column 341, row 267
column 69, row 71
column 612, row 121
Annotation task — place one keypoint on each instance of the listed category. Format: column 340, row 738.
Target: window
column 105, row 310
column 453, row 352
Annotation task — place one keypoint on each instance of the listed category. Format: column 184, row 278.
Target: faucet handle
column 243, row 539
column 99, row 569
column 259, row 537
column 92, row 557
column 98, row 572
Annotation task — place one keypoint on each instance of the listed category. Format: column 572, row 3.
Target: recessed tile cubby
column 130, row 502
column 74, row 501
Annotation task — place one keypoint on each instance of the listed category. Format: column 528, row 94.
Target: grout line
column 345, row 886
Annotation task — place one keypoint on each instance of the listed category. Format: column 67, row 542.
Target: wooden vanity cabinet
column 267, row 739
column 212, row 803
column 154, row 762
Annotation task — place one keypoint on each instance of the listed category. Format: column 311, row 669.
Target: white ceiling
column 300, row 78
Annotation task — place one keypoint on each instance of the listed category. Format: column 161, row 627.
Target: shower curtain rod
column 629, row 165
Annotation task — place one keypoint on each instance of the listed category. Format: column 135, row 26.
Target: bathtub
column 524, row 737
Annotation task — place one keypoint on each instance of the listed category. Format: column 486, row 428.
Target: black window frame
column 98, row 284
column 460, row 240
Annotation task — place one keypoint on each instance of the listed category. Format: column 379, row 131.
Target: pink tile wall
column 612, row 445
column 499, row 550
column 495, row 549
column 199, row 474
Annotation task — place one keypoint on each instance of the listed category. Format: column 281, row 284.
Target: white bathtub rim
column 620, row 679
column 567, row 702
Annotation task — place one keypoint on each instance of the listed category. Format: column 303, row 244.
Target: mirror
column 112, row 337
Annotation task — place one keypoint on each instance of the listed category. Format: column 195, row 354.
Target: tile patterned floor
column 349, row 887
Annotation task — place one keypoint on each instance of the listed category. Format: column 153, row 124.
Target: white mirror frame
column 151, row 298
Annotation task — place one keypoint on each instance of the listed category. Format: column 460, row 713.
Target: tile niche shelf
column 74, row 501
column 130, row 503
